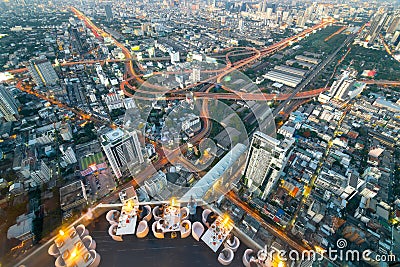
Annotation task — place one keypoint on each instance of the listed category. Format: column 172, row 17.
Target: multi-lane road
column 313, row 74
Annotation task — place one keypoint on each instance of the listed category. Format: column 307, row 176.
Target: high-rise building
column 8, row 107
column 42, row 175
column 301, row 20
column 269, row 13
column 263, row 6
column 174, row 57
column 196, row 75
column 274, row 7
column 122, row 150
column 397, row 47
column 68, row 155
column 42, row 72
column 265, row 162
column 376, row 26
column 109, row 13
column 394, row 25
column 395, row 38
column 285, row 16
column 241, row 23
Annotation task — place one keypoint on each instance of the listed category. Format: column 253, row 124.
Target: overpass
column 382, row 82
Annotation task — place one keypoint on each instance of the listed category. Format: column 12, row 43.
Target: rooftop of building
column 72, row 193
column 148, row 251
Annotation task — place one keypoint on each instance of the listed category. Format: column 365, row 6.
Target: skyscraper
column 376, row 26
column 265, row 161
column 122, row 150
column 42, row 174
column 394, row 25
column 241, row 24
column 263, row 6
column 68, row 155
column 196, row 75
column 8, row 107
column 42, row 72
column 109, row 13
column 269, row 13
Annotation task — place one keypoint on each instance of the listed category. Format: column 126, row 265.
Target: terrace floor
column 148, row 251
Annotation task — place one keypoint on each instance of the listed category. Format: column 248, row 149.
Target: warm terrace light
column 61, row 232
column 173, row 201
column 73, row 254
column 225, row 220
column 129, row 205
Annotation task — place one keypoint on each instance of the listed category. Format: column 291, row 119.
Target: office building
column 8, row 106
column 196, row 75
column 42, row 72
column 394, row 25
column 265, row 162
column 240, row 25
column 269, row 13
column 68, row 155
column 109, row 13
column 42, row 175
column 174, row 57
column 263, row 6
column 23, row 229
column 73, row 196
column 122, row 150
column 376, row 25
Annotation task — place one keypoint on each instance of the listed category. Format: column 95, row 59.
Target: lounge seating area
column 82, row 231
column 232, row 243
column 148, row 215
column 112, row 216
column 197, row 230
column 96, row 257
column 89, row 242
column 112, row 231
column 157, row 213
column 156, row 247
column 226, row 256
column 142, row 229
column 74, row 247
column 186, row 227
column 53, row 251
column 60, row 262
column 157, row 232
column 247, row 256
column 187, row 244
column 206, row 239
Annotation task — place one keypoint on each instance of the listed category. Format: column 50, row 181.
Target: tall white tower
column 265, row 161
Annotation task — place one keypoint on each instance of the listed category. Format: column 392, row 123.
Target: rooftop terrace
column 148, row 251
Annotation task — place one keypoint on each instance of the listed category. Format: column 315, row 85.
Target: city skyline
column 242, row 133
